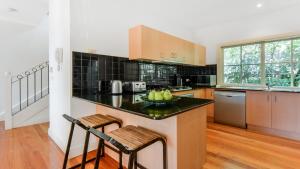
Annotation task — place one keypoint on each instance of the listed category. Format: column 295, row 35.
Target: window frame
column 262, row 63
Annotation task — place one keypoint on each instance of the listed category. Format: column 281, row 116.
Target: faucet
column 268, row 85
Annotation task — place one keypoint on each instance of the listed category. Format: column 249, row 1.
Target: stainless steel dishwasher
column 230, row 108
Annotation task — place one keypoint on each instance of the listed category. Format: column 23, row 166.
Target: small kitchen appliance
column 116, row 87
column 204, row 80
column 135, row 87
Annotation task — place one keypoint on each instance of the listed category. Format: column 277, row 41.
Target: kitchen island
column 183, row 123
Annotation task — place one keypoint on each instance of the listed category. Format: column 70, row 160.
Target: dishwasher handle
column 230, row 94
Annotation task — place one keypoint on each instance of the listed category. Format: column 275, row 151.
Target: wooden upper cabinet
column 258, row 108
column 285, row 111
column 149, row 44
column 200, row 55
column 143, row 43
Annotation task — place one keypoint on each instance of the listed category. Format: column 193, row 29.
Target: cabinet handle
column 268, row 98
column 275, row 99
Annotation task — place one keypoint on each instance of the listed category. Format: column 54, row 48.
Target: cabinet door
column 143, row 43
column 168, row 47
column 200, row 93
column 209, row 94
column 285, row 111
column 187, row 52
column 200, row 55
column 150, row 43
column 258, row 108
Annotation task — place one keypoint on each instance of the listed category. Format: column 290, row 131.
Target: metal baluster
column 41, row 67
column 27, row 74
column 34, row 77
column 20, row 90
column 27, row 77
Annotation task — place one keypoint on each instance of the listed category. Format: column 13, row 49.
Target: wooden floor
column 228, row 148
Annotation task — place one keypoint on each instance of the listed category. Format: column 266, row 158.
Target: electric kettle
column 116, row 87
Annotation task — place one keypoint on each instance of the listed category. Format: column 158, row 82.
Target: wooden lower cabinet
column 200, row 93
column 209, row 94
column 285, row 111
column 276, row 113
column 180, row 93
column 258, row 108
column 205, row 93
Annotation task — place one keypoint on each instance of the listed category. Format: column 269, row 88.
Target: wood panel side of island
column 185, row 133
column 191, row 138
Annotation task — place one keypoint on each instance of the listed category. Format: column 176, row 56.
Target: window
column 242, row 64
column 296, row 60
column 276, row 63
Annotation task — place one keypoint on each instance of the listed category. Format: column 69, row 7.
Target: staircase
column 27, row 97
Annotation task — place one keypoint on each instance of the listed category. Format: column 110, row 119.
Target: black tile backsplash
column 88, row 69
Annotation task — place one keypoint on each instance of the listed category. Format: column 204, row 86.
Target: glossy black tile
column 88, row 69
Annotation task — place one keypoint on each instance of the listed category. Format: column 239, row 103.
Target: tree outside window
column 242, row 64
column 276, row 63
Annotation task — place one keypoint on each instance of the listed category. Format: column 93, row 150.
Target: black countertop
column 132, row 104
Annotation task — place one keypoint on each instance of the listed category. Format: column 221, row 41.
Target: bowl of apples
column 160, row 98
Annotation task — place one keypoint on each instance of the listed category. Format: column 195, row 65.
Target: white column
column 60, row 70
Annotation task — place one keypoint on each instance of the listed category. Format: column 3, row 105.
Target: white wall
column 22, row 47
column 277, row 22
column 60, row 74
column 104, row 25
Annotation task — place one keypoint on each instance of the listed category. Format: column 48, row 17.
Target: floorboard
column 227, row 148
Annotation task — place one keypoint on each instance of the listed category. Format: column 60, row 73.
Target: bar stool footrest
column 141, row 166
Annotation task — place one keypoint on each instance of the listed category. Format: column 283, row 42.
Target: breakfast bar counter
column 134, row 104
column 183, row 123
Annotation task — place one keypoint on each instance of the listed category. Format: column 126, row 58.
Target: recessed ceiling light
column 259, row 5
column 12, row 10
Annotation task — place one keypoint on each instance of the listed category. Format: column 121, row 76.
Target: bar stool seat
column 131, row 139
column 96, row 121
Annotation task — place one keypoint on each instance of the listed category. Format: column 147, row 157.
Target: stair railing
column 29, row 87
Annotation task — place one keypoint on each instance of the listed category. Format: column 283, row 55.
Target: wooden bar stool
column 130, row 140
column 95, row 121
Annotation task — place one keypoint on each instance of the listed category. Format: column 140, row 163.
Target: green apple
column 158, row 96
column 151, row 95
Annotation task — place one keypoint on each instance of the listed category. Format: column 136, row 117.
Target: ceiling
column 192, row 14
column 29, row 12
column 196, row 14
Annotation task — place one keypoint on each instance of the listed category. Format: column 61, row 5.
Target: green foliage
column 242, row 64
